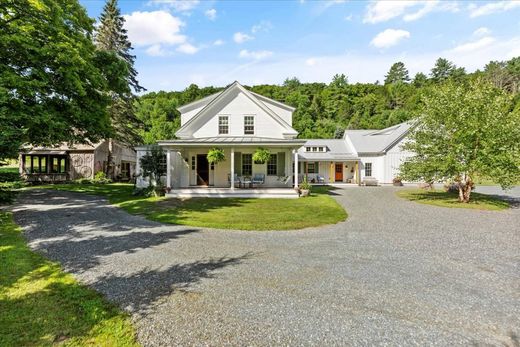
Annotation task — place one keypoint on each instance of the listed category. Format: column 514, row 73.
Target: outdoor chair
column 258, row 179
column 320, row 179
column 237, row 180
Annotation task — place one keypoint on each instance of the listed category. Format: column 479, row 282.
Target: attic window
column 315, row 149
column 223, row 125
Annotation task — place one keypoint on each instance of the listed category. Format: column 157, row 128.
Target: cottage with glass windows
column 69, row 162
column 242, row 123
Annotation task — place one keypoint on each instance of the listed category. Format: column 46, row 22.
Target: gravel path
column 395, row 273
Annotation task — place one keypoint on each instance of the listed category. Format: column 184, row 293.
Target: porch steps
column 277, row 193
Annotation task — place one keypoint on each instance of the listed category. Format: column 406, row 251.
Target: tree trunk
column 465, row 187
column 109, row 170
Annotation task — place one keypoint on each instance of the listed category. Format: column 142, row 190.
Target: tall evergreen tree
column 442, row 70
column 397, row 74
column 111, row 36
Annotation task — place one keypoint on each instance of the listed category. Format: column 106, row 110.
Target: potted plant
column 215, row 156
column 305, row 188
column 261, row 156
column 397, row 181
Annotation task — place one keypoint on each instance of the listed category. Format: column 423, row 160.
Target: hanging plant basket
column 215, row 156
column 261, row 156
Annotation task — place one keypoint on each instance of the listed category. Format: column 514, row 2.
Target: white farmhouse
column 239, row 122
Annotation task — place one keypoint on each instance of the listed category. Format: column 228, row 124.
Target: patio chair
column 320, row 179
column 258, row 179
column 237, row 180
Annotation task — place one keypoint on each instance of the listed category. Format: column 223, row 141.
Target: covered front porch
column 189, row 173
column 329, row 172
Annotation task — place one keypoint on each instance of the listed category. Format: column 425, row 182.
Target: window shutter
column 280, row 166
column 238, row 163
column 317, row 167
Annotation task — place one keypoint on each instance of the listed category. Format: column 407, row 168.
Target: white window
column 368, row 169
column 249, row 125
column 223, row 125
column 307, row 149
column 314, row 149
column 320, row 149
column 247, row 164
column 272, row 165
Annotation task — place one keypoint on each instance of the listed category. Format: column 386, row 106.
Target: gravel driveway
column 395, row 273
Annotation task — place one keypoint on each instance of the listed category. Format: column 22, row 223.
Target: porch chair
column 237, row 180
column 320, row 179
column 258, row 179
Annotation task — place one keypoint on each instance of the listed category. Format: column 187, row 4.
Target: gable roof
column 216, row 99
column 378, row 141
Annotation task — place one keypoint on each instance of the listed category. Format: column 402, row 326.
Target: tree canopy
column 465, row 131
column 52, row 79
column 398, row 74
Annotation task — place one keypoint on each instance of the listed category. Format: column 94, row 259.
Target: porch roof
column 233, row 140
column 305, row 156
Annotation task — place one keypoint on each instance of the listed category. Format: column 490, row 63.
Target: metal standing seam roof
column 336, row 149
column 378, row 141
column 233, row 140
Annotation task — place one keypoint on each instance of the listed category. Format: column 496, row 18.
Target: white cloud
column 256, row 55
column 211, row 14
column 482, row 31
column 474, row 45
column 187, row 48
column 156, row 51
column 349, row 17
column 176, row 5
column 310, row 62
column 492, row 7
column 241, row 37
column 389, row 37
column 218, row 43
column 262, row 26
column 152, row 28
column 382, row 10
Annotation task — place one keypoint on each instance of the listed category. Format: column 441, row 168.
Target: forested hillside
column 325, row 110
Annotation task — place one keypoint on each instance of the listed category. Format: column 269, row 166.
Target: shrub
column 305, row 185
column 83, row 181
column 101, row 178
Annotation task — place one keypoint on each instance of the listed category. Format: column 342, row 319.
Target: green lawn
column 9, row 181
column 225, row 213
column 40, row 305
column 444, row 199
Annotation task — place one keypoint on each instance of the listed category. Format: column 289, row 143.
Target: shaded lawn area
column 225, row 213
column 40, row 305
column 9, row 181
column 445, row 199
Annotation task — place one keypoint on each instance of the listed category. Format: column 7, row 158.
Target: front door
column 202, row 170
column 339, row 173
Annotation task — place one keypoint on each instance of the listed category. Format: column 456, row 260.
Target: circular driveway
column 395, row 273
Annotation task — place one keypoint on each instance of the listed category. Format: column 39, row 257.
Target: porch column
column 295, row 168
column 168, row 169
column 358, row 170
column 232, row 175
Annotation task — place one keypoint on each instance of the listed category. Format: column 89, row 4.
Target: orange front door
column 339, row 172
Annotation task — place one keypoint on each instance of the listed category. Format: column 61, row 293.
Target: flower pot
column 304, row 192
column 398, row 184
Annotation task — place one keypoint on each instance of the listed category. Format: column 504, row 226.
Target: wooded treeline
column 325, row 110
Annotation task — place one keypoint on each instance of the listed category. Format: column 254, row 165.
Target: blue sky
column 179, row 42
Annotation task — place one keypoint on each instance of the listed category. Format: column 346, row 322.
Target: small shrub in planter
column 261, row 156
column 397, row 181
column 305, row 188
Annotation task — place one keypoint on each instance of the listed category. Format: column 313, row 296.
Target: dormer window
column 223, row 125
column 249, row 125
column 315, row 149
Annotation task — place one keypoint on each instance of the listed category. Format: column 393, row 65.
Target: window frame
column 251, row 130
column 222, row 126
column 247, row 165
column 369, row 167
column 272, row 166
column 313, row 171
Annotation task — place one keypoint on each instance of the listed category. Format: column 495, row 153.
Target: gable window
column 223, row 125
column 247, row 164
column 368, row 169
column 272, row 165
column 249, row 125
column 320, row 149
column 307, row 149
